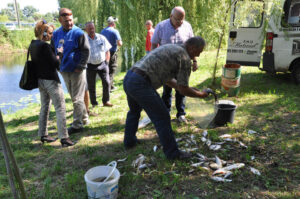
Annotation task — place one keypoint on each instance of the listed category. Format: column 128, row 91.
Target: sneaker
column 73, row 130
column 144, row 122
column 182, row 119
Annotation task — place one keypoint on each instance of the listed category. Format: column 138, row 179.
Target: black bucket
column 225, row 114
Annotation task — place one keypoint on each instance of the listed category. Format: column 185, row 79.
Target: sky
column 43, row 6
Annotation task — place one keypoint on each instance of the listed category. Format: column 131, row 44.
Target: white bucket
column 107, row 189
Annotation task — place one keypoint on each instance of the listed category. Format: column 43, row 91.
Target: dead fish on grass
column 220, row 179
column 139, row 161
column 198, row 164
column 255, row 171
column 122, row 160
column 215, row 147
column 224, row 136
column 234, row 166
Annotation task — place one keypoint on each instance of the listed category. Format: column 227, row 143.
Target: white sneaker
column 182, row 119
column 144, row 122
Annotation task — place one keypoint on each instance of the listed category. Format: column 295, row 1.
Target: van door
column 246, row 33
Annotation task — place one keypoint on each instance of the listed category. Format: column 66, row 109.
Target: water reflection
column 13, row 98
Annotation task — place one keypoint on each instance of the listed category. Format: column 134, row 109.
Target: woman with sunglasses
column 47, row 63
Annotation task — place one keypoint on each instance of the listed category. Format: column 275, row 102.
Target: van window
column 294, row 13
column 248, row 14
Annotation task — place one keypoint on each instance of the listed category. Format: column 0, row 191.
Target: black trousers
column 103, row 72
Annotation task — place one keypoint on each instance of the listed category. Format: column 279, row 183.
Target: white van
column 248, row 32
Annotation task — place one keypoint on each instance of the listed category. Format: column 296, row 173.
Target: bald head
column 178, row 9
column 177, row 16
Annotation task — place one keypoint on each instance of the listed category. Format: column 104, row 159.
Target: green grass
column 267, row 104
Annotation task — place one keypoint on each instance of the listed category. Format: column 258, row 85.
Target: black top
column 44, row 58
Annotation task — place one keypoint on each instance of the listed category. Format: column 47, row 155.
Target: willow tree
column 83, row 10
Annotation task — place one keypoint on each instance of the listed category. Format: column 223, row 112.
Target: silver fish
column 122, row 160
column 225, row 136
column 139, row 161
column 155, row 148
column 204, row 134
column 250, row 132
column 208, row 142
column 255, row 171
column 202, row 157
column 197, row 164
column 203, row 139
column 214, row 147
column 219, row 179
column 218, row 161
column 234, row 166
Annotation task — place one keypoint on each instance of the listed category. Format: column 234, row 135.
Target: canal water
column 12, row 98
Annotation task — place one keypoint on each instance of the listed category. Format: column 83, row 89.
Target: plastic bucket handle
column 112, row 164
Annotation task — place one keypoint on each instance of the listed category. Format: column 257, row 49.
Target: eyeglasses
column 44, row 21
column 65, row 14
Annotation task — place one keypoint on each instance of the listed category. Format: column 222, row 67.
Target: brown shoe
column 108, row 104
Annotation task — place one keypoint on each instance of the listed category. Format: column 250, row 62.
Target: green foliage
column 21, row 39
column 3, row 18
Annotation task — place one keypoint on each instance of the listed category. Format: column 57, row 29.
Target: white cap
column 111, row 19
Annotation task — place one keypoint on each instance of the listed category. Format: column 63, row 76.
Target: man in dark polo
column 160, row 67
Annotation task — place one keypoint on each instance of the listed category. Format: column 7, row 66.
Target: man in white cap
column 114, row 38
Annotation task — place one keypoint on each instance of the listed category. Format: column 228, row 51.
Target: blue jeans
column 179, row 100
column 141, row 95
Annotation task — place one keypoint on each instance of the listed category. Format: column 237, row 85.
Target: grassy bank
column 14, row 41
column 269, row 105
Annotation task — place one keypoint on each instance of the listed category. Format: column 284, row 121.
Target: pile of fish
column 220, row 170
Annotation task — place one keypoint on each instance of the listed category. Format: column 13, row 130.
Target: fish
column 204, row 134
column 122, row 160
column 220, row 179
column 197, row 164
column 234, row 166
column 218, row 161
column 202, row 157
column 242, row 144
column 225, row 136
column 208, row 142
column 229, row 173
column 255, row 171
column 220, row 171
column 139, row 161
column 214, row 147
column 143, row 166
column 250, row 132
column 155, row 148
column 203, row 139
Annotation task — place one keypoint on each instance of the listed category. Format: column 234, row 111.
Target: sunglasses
column 65, row 14
column 44, row 21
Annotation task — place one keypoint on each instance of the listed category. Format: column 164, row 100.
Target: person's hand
column 60, row 50
column 195, row 66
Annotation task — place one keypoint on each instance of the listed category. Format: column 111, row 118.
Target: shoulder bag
column 29, row 79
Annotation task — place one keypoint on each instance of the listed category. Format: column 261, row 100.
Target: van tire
column 296, row 73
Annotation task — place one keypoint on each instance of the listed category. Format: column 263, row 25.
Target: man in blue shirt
column 75, row 56
column 114, row 38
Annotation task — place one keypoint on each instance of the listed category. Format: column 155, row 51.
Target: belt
column 141, row 73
